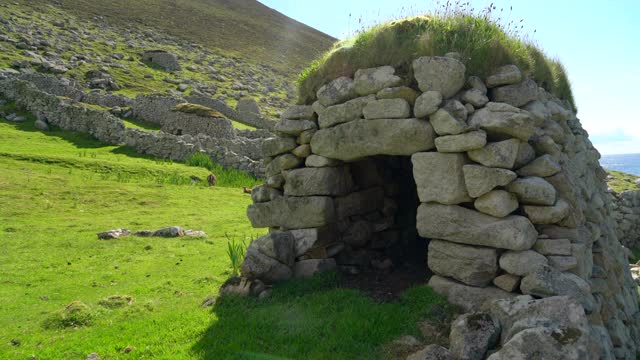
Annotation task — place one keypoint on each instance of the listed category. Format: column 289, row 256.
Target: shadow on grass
column 316, row 319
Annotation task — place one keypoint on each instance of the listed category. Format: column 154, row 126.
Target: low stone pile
column 169, row 232
column 509, row 196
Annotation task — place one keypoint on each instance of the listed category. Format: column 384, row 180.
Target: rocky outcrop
column 505, row 186
column 161, row 59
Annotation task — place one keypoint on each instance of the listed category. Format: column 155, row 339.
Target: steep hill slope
column 246, row 27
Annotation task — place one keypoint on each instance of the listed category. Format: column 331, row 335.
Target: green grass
column 622, row 181
column 132, row 123
column 241, row 126
column 58, row 190
column 483, row 43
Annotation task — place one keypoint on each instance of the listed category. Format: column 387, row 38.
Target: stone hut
column 492, row 184
column 162, row 59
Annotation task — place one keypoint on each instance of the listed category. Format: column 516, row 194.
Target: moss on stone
column 566, row 336
column 484, row 45
column 196, row 109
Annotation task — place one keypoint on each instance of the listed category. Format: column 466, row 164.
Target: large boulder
column 472, row 335
column 293, row 212
column 370, row 81
column 278, row 145
column 472, row 265
column 461, row 225
column 270, row 258
column 349, row 111
column 461, row 143
column 543, row 166
column 387, row 109
column 469, row 298
column 337, row 91
column 533, row 191
column 480, row 180
column 546, row 281
column 501, row 154
column 334, row 181
column 427, row 104
column 443, row 74
column 498, row 203
column 502, row 120
column 517, row 94
column 439, row 177
column 307, row 239
column 362, row 138
column 504, row 75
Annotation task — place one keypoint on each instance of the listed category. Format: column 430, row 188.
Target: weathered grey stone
column 298, row 112
column 387, row 109
column 373, row 137
column 401, row 92
column 370, row 81
column 563, row 263
column 498, row 203
column 533, row 191
column 546, row 215
column 318, row 161
column 446, row 124
column 507, row 282
column 349, row 111
column 461, row 143
column 239, row 286
column 526, row 154
column 260, row 266
column 472, row 335
column 479, row 180
column 475, row 97
column 311, row 267
column 553, row 247
column 41, row 125
column 294, row 127
column 475, row 266
column 264, row 193
column 305, row 136
column 457, row 224
column 522, row 263
column 307, row 239
column 360, row 203
column 475, row 82
column 439, row 177
column 427, row 104
column 293, row 212
column 333, row 181
column 337, row 91
column 498, row 120
column 547, row 281
column 432, row 352
column 501, row 154
column 443, row 74
column 470, row 298
column 278, row 145
column 283, row 162
column 505, row 75
column 279, row 246
column 516, row 95
column 543, row 166
column 302, row 151
column 456, row 109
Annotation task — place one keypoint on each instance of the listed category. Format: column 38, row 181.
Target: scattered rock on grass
column 114, row 234
column 116, row 301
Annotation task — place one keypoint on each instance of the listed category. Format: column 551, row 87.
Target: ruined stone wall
column 626, row 212
column 51, row 109
column 246, row 118
column 512, row 202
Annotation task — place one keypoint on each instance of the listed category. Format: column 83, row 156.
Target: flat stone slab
column 469, row 298
column 472, row 265
column 464, row 226
column 334, row 181
column 293, row 212
column 362, row 138
column 504, row 120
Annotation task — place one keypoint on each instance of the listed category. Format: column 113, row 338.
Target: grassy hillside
column 245, row 27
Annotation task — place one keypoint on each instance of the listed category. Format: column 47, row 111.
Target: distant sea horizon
column 627, row 163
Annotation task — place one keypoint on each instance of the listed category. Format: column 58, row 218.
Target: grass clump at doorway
column 483, row 42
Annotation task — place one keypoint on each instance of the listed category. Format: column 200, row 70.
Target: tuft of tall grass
column 236, row 250
column 485, row 40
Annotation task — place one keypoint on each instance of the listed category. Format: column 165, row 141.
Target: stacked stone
column 512, row 194
column 626, row 206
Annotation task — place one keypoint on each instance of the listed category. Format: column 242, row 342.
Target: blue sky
column 598, row 41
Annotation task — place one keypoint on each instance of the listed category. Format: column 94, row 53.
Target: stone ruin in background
column 494, row 185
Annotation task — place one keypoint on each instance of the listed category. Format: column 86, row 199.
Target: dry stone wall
column 626, row 206
column 497, row 176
